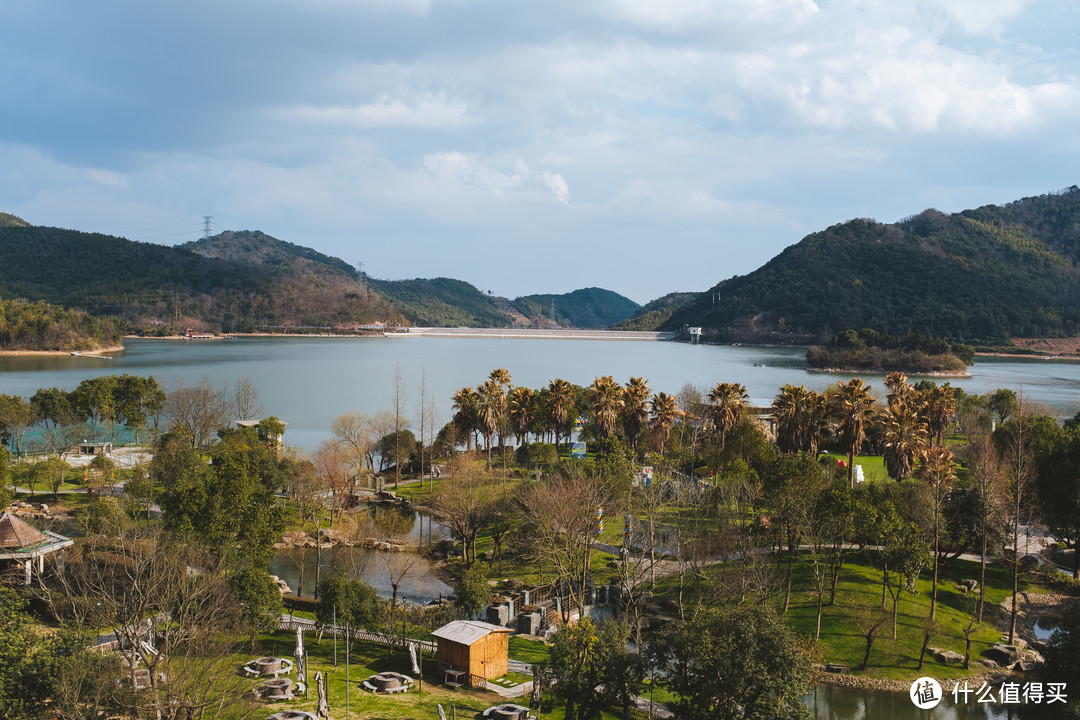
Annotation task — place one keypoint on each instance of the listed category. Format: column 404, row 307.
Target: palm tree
column 664, row 410
column 939, row 407
column 490, row 406
column 727, row 402
column 851, row 406
column 465, row 414
column 905, row 437
column 605, row 403
column 561, row 397
column 635, row 408
column 800, row 419
column 518, row 405
column 502, row 377
column 937, row 471
column 899, row 390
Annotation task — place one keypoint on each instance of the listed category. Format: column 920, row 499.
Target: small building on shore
column 471, row 649
column 25, row 546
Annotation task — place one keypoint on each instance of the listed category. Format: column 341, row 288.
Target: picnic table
column 507, row 711
column 388, row 682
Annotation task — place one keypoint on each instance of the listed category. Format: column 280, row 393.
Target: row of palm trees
column 495, row 408
column 912, row 422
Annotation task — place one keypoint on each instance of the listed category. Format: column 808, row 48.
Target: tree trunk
column 1015, row 579
column 817, row 631
column 866, row 657
column 787, row 592
column 933, row 591
column 982, row 576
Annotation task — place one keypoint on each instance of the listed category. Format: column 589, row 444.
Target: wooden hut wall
column 454, row 654
column 496, row 651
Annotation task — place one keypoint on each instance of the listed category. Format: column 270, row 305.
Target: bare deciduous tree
column 195, row 411
column 244, row 401
column 170, row 608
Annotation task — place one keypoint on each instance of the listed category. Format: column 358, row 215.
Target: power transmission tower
column 206, row 225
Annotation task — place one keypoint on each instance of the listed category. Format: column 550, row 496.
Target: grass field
column 365, row 660
column 859, row 587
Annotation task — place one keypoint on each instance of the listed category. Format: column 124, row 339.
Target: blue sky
column 639, row 145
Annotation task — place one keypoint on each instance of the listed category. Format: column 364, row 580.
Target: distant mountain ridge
column 153, row 288
column 655, row 313
column 979, row 275
column 448, row 302
column 242, row 281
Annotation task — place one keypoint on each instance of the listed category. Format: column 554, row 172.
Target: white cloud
column 558, row 186
column 983, row 17
column 386, row 112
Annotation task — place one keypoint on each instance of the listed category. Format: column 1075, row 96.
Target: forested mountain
column 148, row 286
column 41, row 326
column 592, row 308
column 655, row 313
column 259, row 248
column 9, row 220
column 979, row 275
column 247, row 281
column 442, row 302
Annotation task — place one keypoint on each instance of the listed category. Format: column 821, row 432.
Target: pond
column 419, row 582
column 829, row 702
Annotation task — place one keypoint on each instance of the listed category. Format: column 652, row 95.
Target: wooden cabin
column 470, row 649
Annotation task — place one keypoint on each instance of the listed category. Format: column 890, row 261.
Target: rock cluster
column 332, row 538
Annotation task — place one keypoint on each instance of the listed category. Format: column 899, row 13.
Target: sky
column 644, row 146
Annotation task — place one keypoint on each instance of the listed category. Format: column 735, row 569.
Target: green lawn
column 860, row 586
column 873, row 465
column 530, row 651
column 366, row 660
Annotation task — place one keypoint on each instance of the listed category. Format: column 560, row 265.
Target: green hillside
column 40, row 326
column 259, row 248
column 979, row 275
column 591, row 308
column 147, row 285
column 653, row 314
column 442, row 302
column 9, row 220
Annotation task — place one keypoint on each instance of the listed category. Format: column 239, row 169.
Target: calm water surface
column 307, row 382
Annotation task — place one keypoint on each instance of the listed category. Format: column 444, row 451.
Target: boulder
column 837, row 668
column 1004, row 655
column 949, row 657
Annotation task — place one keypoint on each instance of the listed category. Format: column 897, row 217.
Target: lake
column 307, row 382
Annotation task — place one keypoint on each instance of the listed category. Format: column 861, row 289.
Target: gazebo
column 473, row 649
column 22, row 544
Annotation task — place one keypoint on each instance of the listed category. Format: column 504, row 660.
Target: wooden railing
column 364, row 635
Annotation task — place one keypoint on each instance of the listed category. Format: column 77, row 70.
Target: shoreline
column 503, row 333
column 45, row 353
column 878, row 371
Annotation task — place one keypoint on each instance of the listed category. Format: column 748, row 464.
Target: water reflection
column 419, row 585
column 829, row 702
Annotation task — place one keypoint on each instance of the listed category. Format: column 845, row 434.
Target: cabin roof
column 466, row 632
